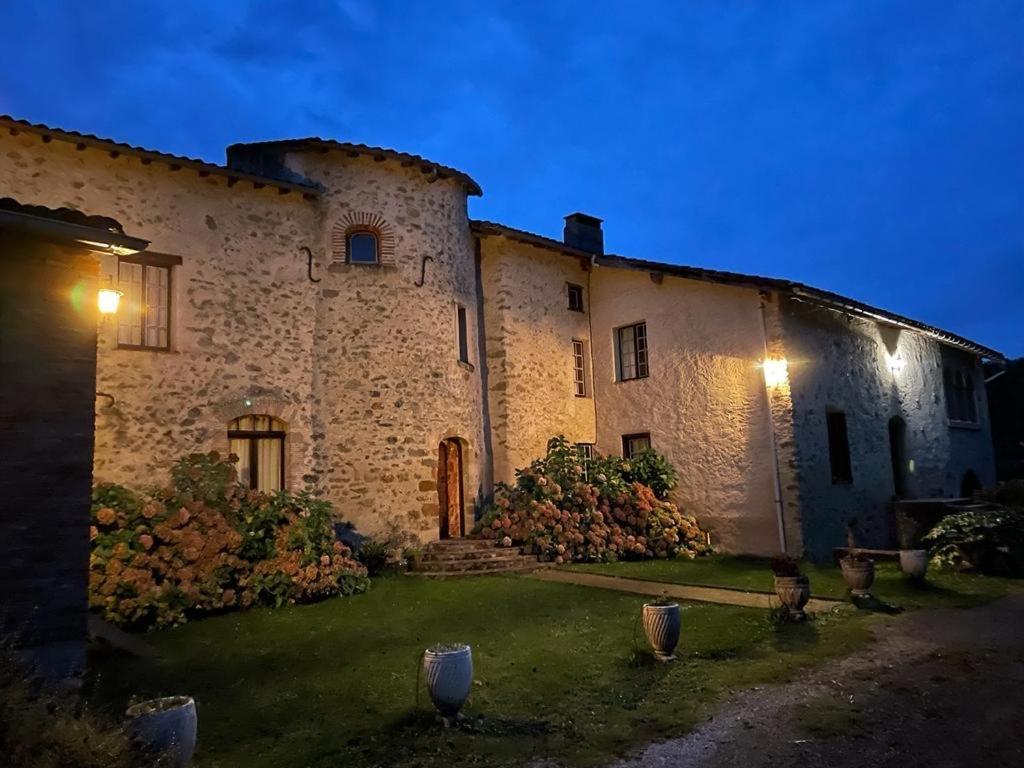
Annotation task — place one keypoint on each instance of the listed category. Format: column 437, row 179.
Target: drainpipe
column 776, row 479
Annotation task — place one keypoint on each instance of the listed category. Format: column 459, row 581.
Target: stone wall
column 529, row 330
column 703, row 402
column 361, row 366
column 388, row 382
column 48, row 358
column 841, row 363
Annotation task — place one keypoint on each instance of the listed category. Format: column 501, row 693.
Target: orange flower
column 146, row 541
column 105, row 516
column 93, row 532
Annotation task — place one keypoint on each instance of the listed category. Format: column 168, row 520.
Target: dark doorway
column 969, row 485
column 898, row 454
column 449, row 489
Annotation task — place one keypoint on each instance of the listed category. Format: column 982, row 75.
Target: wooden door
column 449, row 489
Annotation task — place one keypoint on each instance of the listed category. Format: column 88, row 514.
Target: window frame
column 149, row 261
column 579, row 368
column 641, row 352
column 357, row 232
column 626, row 439
column 960, row 391
column 576, row 289
column 462, row 333
column 837, row 432
column 252, row 436
column 586, row 453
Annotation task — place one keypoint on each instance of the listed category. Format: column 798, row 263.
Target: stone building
column 329, row 313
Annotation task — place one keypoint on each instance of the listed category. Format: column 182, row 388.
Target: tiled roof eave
column 115, row 149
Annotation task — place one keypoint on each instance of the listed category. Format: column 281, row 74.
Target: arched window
column 258, row 442
column 361, row 247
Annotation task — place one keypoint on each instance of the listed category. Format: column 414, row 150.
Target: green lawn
column 557, row 674
column 752, row 573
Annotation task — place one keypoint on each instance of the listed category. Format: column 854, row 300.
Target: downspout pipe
column 776, row 478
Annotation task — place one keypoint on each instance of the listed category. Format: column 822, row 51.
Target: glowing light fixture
column 776, row 371
column 895, row 363
column 109, row 299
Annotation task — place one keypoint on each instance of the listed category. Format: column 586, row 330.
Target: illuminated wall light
column 108, row 300
column 895, row 363
column 776, row 371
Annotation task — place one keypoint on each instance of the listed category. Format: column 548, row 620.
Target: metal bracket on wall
column 309, row 264
column 423, row 270
column 113, row 402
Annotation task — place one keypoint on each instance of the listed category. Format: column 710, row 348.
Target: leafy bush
column 207, row 544
column 989, row 541
column 605, row 514
column 1010, row 494
column 42, row 727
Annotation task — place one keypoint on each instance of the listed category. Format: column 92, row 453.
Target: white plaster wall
column 529, row 330
column 704, row 401
column 841, row 363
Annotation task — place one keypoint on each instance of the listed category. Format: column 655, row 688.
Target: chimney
column 584, row 233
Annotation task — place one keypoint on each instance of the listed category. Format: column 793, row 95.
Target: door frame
column 444, row 522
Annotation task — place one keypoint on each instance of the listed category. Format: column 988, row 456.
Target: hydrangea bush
column 989, row 541
column 612, row 509
column 209, row 544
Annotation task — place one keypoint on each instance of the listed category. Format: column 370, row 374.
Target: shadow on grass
column 795, row 636
column 872, row 604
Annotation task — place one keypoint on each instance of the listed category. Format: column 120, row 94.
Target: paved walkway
column 720, row 595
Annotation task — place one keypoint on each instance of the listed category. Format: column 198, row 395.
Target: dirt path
column 937, row 688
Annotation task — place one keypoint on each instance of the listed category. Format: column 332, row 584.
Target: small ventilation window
column 575, row 293
column 362, row 248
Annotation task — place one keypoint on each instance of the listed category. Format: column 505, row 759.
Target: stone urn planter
column 166, row 727
column 449, row 673
column 793, row 592
column 662, row 624
column 859, row 573
column 914, row 563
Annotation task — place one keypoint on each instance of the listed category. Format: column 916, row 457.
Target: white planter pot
column 662, row 624
column 914, row 562
column 167, row 727
column 449, row 677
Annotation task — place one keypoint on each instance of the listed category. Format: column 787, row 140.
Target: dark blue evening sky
column 870, row 147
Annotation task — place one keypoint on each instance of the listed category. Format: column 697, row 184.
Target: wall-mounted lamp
column 108, row 300
column 895, row 363
column 776, row 371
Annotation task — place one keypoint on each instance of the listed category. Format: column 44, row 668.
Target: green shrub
column 1008, row 494
column 988, row 541
column 652, row 469
column 207, row 544
column 565, row 514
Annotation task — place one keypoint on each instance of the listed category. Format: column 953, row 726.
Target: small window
column 463, row 334
column 961, row 405
column 143, row 322
column 362, row 248
column 575, row 297
column 634, row 444
column 838, row 448
column 579, row 368
column 586, row 454
column 258, row 442
column 632, row 351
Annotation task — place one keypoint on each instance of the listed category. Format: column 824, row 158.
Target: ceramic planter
column 661, row 625
column 449, row 674
column 794, row 592
column 914, row 563
column 166, row 727
column 859, row 575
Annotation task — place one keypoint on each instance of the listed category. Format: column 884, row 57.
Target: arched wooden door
column 449, row 489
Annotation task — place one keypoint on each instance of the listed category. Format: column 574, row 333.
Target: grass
column 560, row 671
column 752, row 573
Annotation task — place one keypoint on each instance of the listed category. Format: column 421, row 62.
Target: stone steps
column 471, row 557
